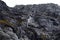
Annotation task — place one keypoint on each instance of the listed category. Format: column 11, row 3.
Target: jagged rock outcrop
column 30, row 22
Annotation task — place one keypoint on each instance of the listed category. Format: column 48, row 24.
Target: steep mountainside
column 30, row 22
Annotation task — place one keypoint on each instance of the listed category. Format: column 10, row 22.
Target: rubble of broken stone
column 30, row 22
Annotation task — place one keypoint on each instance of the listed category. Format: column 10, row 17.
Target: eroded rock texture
column 30, row 22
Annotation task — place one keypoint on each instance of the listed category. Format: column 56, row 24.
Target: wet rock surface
column 30, row 22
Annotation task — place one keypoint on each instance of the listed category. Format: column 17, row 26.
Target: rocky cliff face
column 30, row 22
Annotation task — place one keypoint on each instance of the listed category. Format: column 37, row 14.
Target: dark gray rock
column 30, row 22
